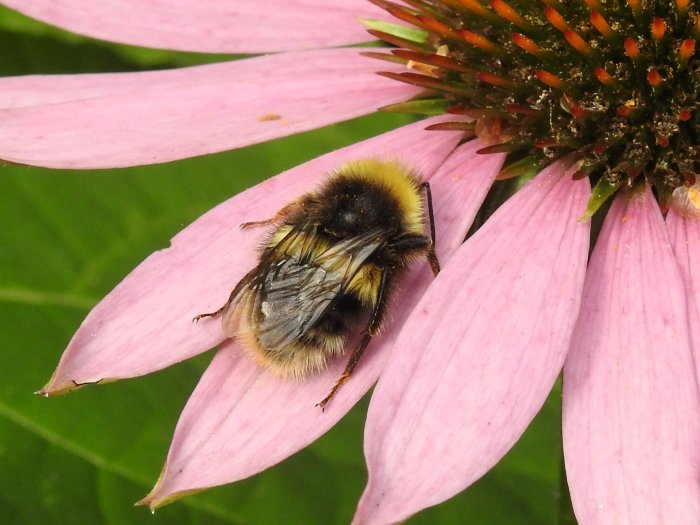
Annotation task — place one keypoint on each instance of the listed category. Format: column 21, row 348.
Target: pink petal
column 484, row 348
column 685, row 237
column 241, row 420
column 115, row 120
column 145, row 323
column 224, row 26
column 631, row 411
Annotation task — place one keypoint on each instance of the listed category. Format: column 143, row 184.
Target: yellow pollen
column 686, row 201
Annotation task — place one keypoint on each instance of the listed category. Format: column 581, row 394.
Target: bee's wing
column 245, row 303
column 287, row 296
column 346, row 257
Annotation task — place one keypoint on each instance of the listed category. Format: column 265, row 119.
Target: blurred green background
column 67, row 238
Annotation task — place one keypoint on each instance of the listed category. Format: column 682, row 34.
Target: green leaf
column 566, row 509
column 407, row 33
column 45, row 42
column 602, row 191
column 527, row 167
column 419, row 107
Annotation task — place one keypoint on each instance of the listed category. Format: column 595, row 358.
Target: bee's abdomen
column 341, row 316
column 365, row 284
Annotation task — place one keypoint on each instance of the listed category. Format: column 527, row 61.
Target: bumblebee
column 328, row 268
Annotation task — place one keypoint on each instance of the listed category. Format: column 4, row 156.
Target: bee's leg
column 419, row 245
column 432, row 257
column 285, row 212
column 372, row 330
column 433, row 260
column 197, row 317
column 431, row 217
column 231, row 297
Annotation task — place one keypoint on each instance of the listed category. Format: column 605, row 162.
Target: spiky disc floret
column 615, row 82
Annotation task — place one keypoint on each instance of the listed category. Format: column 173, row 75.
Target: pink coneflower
column 601, row 93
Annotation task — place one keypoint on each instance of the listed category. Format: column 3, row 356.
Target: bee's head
column 352, row 206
